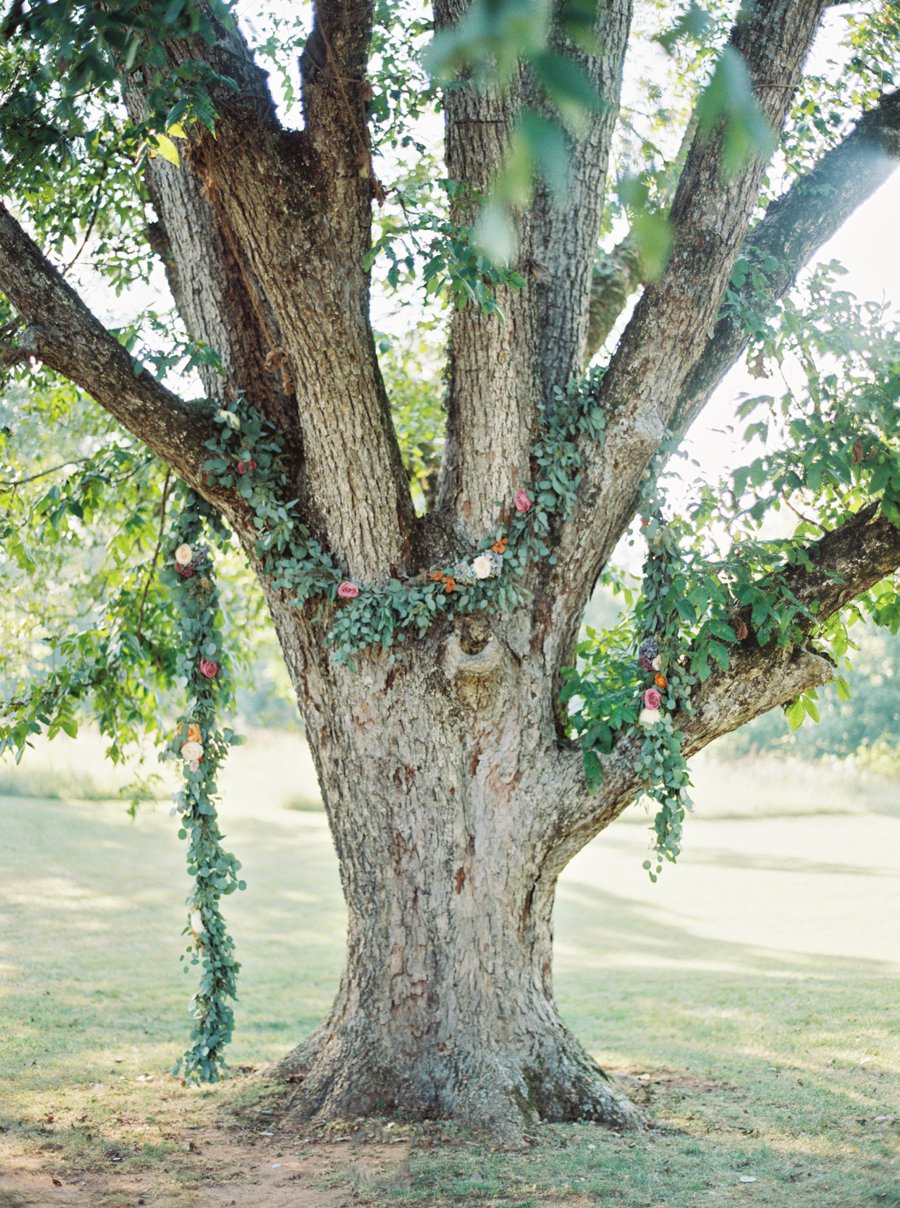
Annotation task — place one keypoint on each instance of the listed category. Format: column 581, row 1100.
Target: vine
column 248, row 456
column 202, row 746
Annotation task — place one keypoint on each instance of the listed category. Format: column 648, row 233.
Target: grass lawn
column 749, row 998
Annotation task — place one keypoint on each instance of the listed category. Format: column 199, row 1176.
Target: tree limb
column 668, row 330
column 540, row 342
column 794, row 227
column 841, row 566
column 61, row 332
column 487, row 446
column 617, row 274
column 565, row 232
column 294, row 209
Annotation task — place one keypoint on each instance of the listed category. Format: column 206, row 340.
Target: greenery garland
column 662, row 658
column 201, row 746
column 248, row 456
column 690, row 613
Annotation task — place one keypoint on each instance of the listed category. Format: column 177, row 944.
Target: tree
column 467, row 744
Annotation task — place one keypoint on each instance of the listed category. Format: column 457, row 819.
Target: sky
column 869, row 249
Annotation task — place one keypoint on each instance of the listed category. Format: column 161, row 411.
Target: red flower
column 521, row 501
column 243, row 467
column 348, row 590
column 208, row 668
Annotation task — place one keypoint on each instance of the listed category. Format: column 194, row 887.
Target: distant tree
column 467, row 744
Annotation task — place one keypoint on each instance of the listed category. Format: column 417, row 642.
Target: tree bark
column 436, row 771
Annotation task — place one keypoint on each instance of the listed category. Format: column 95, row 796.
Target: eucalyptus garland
column 201, row 747
column 248, row 456
column 667, row 683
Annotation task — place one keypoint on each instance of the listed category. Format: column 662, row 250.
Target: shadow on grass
column 775, row 1057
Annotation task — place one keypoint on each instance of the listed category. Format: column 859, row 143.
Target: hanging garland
column 248, row 456
column 201, row 746
column 617, row 691
column 665, row 691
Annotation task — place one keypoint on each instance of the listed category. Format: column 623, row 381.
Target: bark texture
column 453, row 800
column 443, row 829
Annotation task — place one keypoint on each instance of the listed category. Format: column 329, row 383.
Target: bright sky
column 868, row 247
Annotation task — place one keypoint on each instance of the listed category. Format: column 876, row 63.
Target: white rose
column 191, row 751
column 657, row 663
column 196, row 921
column 648, row 717
column 482, row 566
column 184, row 555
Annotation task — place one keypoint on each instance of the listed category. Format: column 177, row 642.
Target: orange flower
column 449, row 583
column 660, row 681
column 437, row 576
column 193, row 732
column 499, row 546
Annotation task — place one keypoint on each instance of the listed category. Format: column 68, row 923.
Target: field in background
column 749, row 997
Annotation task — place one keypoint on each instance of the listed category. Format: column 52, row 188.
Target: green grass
column 750, row 997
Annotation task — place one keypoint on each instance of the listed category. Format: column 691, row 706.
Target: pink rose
column 522, row 502
column 348, row 590
column 209, row 668
column 652, row 699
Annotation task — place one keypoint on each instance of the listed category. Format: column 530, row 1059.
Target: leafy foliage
column 202, row 666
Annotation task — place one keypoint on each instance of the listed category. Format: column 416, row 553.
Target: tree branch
column 565, row 233
column 487, row 446
column 615, row 277
column 668, row 330
column 842, row 565
column 61, row 332
column 540, row 342
column 794, row 227
column 294, row 210
column 617, row 274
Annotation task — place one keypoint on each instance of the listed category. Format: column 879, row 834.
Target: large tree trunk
column 437, row 772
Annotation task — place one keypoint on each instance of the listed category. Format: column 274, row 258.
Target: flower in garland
column 184, row 555
column 648, row 717
column 483, row 566
column 246, row 467
column 648, row 651
column 347, row 590
column 660, row 680
column 652, row 699
column 521, row 500
column 209, row 668
column 499, row 546
column 192, row 752
column 194, row 733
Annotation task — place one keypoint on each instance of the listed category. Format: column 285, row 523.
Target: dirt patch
column 217, row 1170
